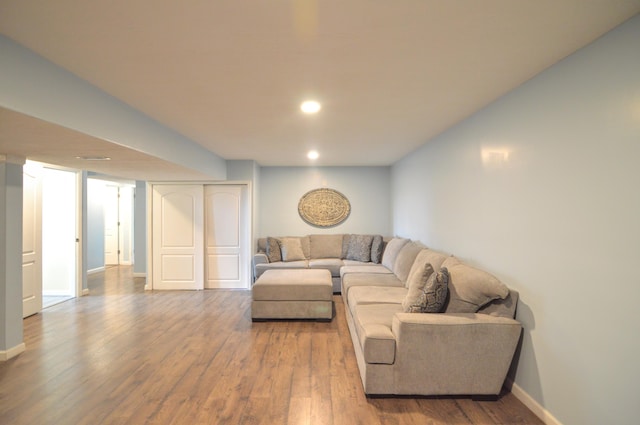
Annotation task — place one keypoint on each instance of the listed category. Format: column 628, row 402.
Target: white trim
column 85, row 291
column 542, row 413
column 96, row 270
column 139, row 274
column 12, row 352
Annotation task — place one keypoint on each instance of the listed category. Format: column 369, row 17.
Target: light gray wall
column 367, row 188
column 140, row 229
column 10, row 255
column 34, row 86
column 95, row 224
column 541, row 189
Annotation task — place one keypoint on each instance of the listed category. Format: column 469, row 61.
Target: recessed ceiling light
column 310, row 107
column 313, row 155
column 94, row 158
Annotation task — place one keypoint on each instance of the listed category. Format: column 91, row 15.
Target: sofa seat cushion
column 368, row 279
column 349, row 267
column 373, row 326
column 261, row 268
column 361, row 295
column 331, row 264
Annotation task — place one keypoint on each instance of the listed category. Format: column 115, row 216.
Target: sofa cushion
column 377, row 247
column 416, row 282
column 405, row 259
column 261, row 268
column 325, row 246
column 332, row 264
column 360, row 248
column 373, row 327
column 273, row 250
column 291, row 249
column 471, row 288
column 435, row 258
column 391, row 251
column 358, row 267
column 433, row 296
column 361, row 295
column 368, row 279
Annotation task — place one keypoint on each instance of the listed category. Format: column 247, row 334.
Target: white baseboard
column 139, row 274
column 542, row 413
column 12, row 352
column 96, row 270
column 147, row 287
column 85, row 291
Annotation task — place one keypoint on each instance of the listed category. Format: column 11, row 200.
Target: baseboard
column 147, row 287
column 12, row 352
column 85, row 291
column 96, row 270
column 542, row 413
column 139, row 274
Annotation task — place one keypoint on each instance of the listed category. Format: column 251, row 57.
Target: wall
column 367, row 188
column 140, row 230
column 95, row 224
column 540, row 188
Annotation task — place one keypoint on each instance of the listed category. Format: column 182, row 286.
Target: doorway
column 59, row 235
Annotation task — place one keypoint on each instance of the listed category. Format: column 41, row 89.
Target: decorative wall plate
column 324, row 207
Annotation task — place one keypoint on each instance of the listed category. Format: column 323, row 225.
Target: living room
column 536, row 188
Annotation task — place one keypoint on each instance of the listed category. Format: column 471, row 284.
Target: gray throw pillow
column 273, row 250
column 377, row 247
column 434, row 294
column 346, row 239
column 417, row 281
column 360, row 248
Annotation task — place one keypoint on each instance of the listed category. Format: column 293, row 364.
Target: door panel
column 177, row 237
column 225, row 265
column 32, row 241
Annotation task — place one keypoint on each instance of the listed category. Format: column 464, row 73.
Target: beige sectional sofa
column 464, row 349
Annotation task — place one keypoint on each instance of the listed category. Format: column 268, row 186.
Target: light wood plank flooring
column 125, row 356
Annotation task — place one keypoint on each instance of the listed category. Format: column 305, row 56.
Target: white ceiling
column 230, row 74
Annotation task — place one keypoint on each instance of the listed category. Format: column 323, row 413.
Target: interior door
column 32, row 240
column 111, row 225
column 177, row 237
column 225, row 241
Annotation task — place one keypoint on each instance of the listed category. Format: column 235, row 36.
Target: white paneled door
column 32, row 240
column 111, row 225
column 225, row 237
column 177, row 237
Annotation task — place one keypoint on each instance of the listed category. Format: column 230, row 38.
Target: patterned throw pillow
column 434, row 294
column 273, row 250
column 377, row 246
column 360, row 248
column 417, row 281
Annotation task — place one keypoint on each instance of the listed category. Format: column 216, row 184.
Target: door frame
column 149, row 204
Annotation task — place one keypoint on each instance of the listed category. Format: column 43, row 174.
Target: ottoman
column 293, row 294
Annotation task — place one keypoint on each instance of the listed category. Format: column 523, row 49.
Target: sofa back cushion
column 471, row 288
column 435, row 258
column 405, row 259
column 325, row 246
column 391, row 251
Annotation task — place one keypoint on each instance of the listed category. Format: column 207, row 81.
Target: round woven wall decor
column 324, row 207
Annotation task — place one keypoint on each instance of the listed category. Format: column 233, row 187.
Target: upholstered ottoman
column 293, row 294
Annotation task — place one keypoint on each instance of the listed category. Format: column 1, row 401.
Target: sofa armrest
column 259, row 258
column 466, row 353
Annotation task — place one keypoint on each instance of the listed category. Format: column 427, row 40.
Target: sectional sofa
column 421, row 322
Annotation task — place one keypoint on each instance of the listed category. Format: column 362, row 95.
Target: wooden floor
column 125, row 356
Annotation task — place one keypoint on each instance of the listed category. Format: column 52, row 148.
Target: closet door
column 177, row 237
column 226, row 227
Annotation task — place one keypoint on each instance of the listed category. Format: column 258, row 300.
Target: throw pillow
column 434, row 295
column 360, row 248
column 291, row 249
column 377, row 246
column 471, row 288
column 417, row 282
column 273, row 250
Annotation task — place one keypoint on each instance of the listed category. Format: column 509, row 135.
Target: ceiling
column 230, row 75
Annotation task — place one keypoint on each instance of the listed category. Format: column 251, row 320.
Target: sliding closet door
column 226, row 226
column 177, row 237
